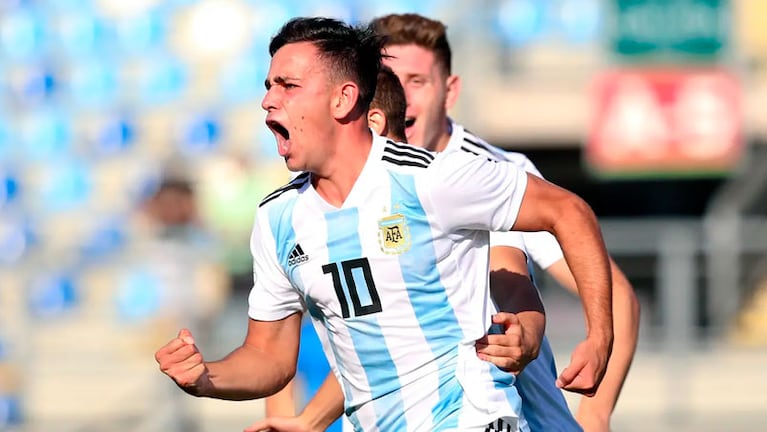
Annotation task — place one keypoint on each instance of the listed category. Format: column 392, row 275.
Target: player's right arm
column 261, row 366
column 517, row 298
column 266, row 360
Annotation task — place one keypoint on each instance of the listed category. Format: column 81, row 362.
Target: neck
column 351, row 147
column 444, row 137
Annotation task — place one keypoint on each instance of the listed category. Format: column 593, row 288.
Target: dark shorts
column 501, row 425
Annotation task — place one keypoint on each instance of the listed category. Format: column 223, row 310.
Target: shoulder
column 474, row 144
column 289, row 190
column 405, row 157
column 471, row 143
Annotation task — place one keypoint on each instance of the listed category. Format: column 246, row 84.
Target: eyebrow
column 279, row 80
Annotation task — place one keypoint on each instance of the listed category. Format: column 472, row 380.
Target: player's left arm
column 594, row 413
column 326, row 406
column 282, row 403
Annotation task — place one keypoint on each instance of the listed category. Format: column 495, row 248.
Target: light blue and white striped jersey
column 397, row 279
column 543, row 404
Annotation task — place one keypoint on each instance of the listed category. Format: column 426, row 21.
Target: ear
column 377, row 121
column 453, row 84
column 345, row 100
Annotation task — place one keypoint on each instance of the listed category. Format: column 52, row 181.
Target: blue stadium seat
column 14, row 241
column 201, row 134
column 7, row 138
column 520, row 22
column 243, row 79
column 429, row 8
column 33, row 85
column 79, row 33
column 93, row 83
column 138, row 295
column 113, row 136
column 162, row 81
column 270, row 16
column 66, row 186
column 53, row 295
column 346, row 11
column 10, row 410
column 9, row 187
column 45, row 134
column 139, row 34
column 581, row 21
column 106, row 237
column 21, row 34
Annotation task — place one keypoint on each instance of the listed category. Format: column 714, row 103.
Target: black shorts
column 501, row 425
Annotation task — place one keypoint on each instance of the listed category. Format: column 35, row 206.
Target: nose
column 408, row 94
column 269, row 102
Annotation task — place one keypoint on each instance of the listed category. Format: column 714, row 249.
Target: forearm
column 326, row 406
column 588, row 261
column 282, row 403
column 626, row 328
column 246, row 373
column 513, row 291
column 533, row 327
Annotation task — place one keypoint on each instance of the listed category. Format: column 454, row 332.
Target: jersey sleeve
column 543, row 248
column 513, row 239
column 272, row 297
column 473, row 192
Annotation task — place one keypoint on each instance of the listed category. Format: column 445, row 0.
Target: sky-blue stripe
column 343, row 244
column 281, row 224
column 429, row 298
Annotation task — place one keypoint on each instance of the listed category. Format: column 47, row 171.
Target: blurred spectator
column 175, row 257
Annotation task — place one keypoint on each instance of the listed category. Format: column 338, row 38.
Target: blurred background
column 133, row 155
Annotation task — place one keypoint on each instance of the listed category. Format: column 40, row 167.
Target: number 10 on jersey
column 359, row 280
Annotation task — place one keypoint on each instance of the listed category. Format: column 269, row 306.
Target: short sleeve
column 473, row 192
column 542, row 248
column 272, row 297
column 513, row 239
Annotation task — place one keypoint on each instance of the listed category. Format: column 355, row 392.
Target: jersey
column 396, row 278
column 543, row 404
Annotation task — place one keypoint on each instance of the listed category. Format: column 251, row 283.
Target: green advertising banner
column 670, row 31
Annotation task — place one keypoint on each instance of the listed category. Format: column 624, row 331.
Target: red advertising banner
column 658, row 123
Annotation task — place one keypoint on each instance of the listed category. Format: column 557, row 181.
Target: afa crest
column 394, row 234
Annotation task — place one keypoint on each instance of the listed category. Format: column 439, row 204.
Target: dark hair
column 350, row 52
column 406, row 29
column 390, row 98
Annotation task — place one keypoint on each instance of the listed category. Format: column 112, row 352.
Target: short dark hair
column 410, row 28
column 350, row 52
column 390, row 98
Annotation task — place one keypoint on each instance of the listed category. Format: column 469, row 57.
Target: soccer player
column 386, row 246
column 386, row 117
column 423, row 61
column 419, row 53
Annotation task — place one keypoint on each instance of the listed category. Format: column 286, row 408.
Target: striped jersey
column 543, row 404
column 396, row 281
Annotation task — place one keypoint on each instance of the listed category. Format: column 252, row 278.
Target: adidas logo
column 297, row 256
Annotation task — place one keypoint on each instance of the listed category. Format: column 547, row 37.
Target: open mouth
column 409, row 121
column 278, row 128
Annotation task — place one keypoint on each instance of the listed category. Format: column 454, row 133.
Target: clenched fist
column 181, row 360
